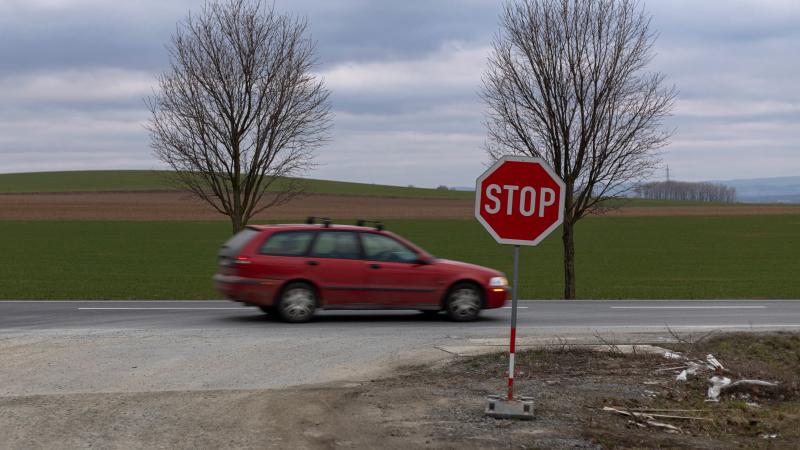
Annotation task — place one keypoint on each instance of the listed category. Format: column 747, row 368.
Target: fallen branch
column 667, row 416
column 666, row 369
column 650, row 414
column 665, row 426
column 750, row 382
column 692, row 367
column 642, row 418
column 713, row 364
column 721, row 385
column 667, row 410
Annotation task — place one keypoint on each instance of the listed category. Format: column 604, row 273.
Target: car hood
column 449, row 263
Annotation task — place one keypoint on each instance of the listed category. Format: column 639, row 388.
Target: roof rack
column 376, row 223
column 326, row 221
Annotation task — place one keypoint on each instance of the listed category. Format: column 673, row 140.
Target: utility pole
column 667, row 173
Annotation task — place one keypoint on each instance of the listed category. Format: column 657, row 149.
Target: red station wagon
column 294, row 269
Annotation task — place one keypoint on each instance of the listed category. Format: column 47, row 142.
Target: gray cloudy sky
column 404, row 77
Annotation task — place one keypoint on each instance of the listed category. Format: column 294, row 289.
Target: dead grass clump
column 560, row 360
column 770, row 357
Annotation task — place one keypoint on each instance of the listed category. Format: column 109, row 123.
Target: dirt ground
column 178, row 206
column 441, row 407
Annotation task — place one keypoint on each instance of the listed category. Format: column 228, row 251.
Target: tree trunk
column 237, row 215
column 568, row 238
column 236, row 223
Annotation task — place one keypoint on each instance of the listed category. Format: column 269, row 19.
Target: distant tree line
column 684, row 190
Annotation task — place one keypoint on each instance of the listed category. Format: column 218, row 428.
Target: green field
column 617, row 257
column 150, row 180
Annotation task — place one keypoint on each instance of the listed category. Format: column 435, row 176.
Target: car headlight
column 498, row 282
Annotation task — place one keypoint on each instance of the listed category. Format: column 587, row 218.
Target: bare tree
column 686, row 191
column 566, row 83
column 239, row 111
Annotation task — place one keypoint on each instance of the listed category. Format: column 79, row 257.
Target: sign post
column 519, row 200
column 513, row 344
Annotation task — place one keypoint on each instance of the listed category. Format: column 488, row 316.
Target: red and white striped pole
column 513, row 343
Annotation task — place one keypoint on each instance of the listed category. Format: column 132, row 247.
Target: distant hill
column 766, row 190
column 152, row 180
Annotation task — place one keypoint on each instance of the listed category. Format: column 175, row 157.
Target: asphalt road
column 550, row 315
column 64, row 347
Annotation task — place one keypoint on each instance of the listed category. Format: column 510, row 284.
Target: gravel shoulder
column 439, row 405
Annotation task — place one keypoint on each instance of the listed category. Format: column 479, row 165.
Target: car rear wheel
column 464, row 302
column 298, row 302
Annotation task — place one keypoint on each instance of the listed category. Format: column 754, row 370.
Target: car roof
column 318, row 226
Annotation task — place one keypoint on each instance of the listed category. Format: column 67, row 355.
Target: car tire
column 464, row 302
column 297, row 303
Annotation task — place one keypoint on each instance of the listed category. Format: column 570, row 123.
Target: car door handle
column 374, row 266
column 312, row 263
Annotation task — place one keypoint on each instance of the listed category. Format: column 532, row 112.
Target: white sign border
column 528, row 159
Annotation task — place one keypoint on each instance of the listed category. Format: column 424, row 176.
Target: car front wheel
column 298, row 302
column 464, row 302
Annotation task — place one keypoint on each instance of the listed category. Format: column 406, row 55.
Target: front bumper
column 496, row 296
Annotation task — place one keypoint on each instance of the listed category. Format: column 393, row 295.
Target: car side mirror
column 423, row 260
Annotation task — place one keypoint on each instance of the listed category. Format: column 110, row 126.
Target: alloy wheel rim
column 298, row 303
column 464, row 303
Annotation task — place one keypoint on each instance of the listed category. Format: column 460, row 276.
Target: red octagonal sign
column 519, row 200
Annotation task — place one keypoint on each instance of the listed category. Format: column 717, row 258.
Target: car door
column 336, row 266
column 280, row 257
column 396, row 276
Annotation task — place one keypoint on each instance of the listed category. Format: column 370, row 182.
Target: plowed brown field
column 178, row 206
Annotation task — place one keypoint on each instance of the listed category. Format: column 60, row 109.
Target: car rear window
column 287, row 243
column 234, row 245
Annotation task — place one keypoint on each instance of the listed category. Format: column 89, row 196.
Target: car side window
column 287, row 243
column 378, row 247
column 336, row 244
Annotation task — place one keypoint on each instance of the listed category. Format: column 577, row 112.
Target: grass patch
column 617, row 257
column 159, row 180
column 109, row 260
column 639, row 257
column 153, row 180
column 771, row 357
column 744, row 418
column 571, row 385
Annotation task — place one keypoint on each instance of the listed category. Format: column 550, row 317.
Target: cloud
column 734, row 108
column 453, row 67
column 77, row 85
column 404, row 78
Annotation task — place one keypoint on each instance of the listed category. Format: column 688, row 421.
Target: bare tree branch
column 566, row 82
column 239, row 107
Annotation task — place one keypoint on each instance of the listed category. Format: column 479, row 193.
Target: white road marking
column 160, row 309
column 114, row 301
column 143, row 308
column 692, row 307
column 632, row 328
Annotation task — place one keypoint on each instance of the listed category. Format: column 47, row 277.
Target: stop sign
column 519, row 200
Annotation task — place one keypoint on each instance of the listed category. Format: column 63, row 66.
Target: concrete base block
column 499, row 407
